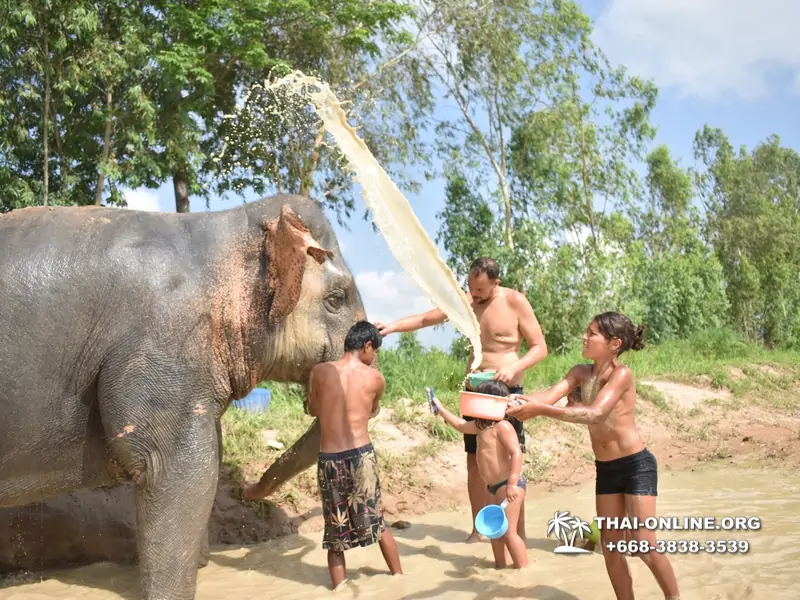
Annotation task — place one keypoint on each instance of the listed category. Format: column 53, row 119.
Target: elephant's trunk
column 302, row 454
column 294, row 461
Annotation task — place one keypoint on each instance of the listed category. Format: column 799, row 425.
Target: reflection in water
column 438, row 565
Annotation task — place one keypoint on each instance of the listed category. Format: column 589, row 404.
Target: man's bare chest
column 498, row 323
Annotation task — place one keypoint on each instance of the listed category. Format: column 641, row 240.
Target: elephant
column 124, row 337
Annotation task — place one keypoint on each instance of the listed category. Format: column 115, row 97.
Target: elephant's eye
column 335, row 300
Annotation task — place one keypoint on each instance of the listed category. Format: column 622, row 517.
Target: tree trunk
column 585, row 173
column 180, row 181
column 45, row 114
column 98, row 197
column 308, row 176
column 507, row 206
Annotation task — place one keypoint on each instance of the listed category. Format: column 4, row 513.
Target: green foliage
column 460, row 348
column 116, row 93
column 753, row 204
column 406, row 376
column 468, row 225
column 409, row 346
column 275, row 142
column 556, row 172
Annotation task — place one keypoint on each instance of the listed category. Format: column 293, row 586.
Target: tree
column 409, row 346
column 42, row 42
column 83, row 61
column 675, row 283
column 468, row 225
column 553, row 128
column 136, row 92
column 275, row 140
column 753, row 205
column 505, row 63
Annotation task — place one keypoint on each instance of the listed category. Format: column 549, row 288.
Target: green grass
column 709, row 353
column 711, row 358
column 652, row 395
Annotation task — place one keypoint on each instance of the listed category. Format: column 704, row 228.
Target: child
column 627, row 474
column 499, row 458
column 344, row 395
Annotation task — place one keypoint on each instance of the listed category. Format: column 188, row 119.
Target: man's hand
column 512, row 491
column 506, row 374
column 384, row 328
column 525, row 411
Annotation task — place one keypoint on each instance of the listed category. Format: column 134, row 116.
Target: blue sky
column 733, row 64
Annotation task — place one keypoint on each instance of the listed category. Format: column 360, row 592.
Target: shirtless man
column 627, row 472
column 506, row 318
column 344, row 395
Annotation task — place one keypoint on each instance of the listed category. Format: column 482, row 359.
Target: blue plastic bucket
column 491, row 521
column 256, row 401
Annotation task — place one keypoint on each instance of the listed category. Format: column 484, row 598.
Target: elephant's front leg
column 205, row 548
column 173, row 506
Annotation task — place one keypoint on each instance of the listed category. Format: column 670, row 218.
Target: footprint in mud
column 433, row 551
column 470, row 572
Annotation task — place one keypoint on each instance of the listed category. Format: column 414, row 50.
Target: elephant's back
column 83, row 264
column 32, row 230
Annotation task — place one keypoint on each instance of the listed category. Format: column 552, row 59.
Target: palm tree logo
column 566, row 527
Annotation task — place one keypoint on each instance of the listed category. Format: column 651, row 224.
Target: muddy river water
column 438, row 565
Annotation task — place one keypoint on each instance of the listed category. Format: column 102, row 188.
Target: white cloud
column 142, row 199
column 389, row 296
column 704, row 48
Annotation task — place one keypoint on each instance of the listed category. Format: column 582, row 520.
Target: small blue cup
column 491, row 521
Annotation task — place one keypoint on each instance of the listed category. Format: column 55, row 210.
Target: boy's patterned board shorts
column 351, row 498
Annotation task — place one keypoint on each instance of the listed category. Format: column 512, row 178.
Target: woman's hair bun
column 638, row 338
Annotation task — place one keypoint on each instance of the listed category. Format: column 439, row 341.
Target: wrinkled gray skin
column 124, row 336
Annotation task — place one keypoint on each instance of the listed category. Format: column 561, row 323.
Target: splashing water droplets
column 391, row 211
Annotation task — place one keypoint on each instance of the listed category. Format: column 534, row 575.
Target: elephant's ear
column 288, row 242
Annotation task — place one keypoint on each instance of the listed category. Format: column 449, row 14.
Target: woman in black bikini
column 627, row 475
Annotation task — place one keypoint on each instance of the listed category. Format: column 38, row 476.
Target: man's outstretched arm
column 413, row 323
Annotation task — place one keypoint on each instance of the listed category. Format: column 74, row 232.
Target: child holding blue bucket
column 499, row 458
column 627, row 473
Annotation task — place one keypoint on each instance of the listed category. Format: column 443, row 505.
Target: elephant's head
column 314, row 300
column 313, row 304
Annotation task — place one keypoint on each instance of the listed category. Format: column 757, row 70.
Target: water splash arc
column 392, row 213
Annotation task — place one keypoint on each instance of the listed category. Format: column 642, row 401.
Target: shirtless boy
column 344, row 395
column 627, row 473
column 506, row 318
column 499, row 458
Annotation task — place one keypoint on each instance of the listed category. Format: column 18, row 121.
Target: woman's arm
column 548, row 397
column 599, row 410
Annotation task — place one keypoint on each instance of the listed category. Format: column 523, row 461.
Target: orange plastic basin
column 483, row 406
